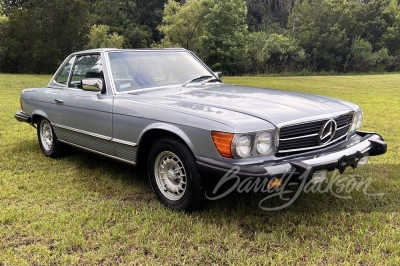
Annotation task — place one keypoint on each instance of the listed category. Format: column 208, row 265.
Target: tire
column 180, row 185
column 47, row 138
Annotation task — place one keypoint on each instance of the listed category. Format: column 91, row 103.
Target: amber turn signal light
column 222, row 142
column 274, row 183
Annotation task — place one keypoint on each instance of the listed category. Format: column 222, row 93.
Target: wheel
column 174, row 176
column 47, row 139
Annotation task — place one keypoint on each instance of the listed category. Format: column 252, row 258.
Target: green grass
column 82, row 209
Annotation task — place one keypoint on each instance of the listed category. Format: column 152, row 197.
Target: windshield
column 141, row 70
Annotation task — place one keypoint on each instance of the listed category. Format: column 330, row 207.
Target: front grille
column 305, row 136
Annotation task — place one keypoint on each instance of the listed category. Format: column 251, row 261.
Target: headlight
column 251, row 144
column 242, row 146
column 264, row 143
column 357, row 121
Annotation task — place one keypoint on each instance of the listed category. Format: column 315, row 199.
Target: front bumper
column 23, row 117
column 338, row 157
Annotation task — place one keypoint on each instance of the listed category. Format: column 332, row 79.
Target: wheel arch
column 156, row 131
column 36, row 114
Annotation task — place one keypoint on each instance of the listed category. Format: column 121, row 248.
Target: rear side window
column 86, row 66
column 62, row 78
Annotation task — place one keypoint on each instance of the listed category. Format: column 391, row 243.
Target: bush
column 393, row 64
column 363, row 59
column 273, row 53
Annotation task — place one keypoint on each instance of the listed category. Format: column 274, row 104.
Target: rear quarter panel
column 40, row 101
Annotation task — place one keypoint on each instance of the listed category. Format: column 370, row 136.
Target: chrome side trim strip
column 124, row 142
column 315, row 147
column 311, row 135
column 97, row 152
column 83, row 132
column 97, row 135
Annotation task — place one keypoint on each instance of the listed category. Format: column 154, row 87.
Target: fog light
column 319, row 176
column 363, row 161
column 274, row 183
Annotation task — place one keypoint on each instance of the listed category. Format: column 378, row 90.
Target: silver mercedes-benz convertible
column 166, row 111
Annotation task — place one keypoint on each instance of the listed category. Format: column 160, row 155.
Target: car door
column 84, row 118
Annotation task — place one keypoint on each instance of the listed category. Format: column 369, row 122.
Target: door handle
column 58, row 101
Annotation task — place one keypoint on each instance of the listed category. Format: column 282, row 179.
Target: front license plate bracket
column 349, row 160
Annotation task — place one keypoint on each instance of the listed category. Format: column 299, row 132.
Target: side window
column 62, row 78
column 86, row 66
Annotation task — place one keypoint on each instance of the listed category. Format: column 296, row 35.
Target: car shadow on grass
column 331, row 199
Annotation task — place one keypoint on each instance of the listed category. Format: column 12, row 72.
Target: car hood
column 275, row 106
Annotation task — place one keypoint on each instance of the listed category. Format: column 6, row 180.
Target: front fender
column 170, row 128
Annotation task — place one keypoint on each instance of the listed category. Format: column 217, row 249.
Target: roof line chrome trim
column 60, row 69
column 83, row 132
column 97, row 152
column 311, row 135
column 315, row 147
column 109, row 73
column 124, row 142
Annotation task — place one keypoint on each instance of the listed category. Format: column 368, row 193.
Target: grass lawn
column 82, row 209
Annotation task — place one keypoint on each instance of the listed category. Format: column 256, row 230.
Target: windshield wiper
column 204, row 76
column 210, row 79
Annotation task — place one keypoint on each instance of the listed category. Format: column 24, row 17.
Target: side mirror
column 92, row 84
column 218, row 74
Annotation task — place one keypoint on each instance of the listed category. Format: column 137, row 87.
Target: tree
column 363, row 59
column 110, row 13
column 149, row 13
column 273, row 53
column 136, row 36
column 99, row 38
column 382, row 25
column 324, row 30
column 263, row 14
column 224, row 36
column 7, row 5
column 40, row 34
column 183, row 24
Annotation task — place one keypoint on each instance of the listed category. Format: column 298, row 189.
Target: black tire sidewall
column 192, row 199
column 54, row 147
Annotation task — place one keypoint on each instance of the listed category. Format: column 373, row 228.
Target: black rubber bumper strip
column 22, row 117
column 379, row 147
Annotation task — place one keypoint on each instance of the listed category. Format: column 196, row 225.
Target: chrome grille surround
column 305, row 136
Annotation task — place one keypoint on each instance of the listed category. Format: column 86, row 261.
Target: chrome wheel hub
column 170, row 175
column 46, row 135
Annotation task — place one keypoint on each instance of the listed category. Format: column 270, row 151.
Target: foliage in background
column 224, row 36
column 235, row 36
column 98, row 37
column 273, row 53
column 362, row 58
column 183, row 24
column 39, row 34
